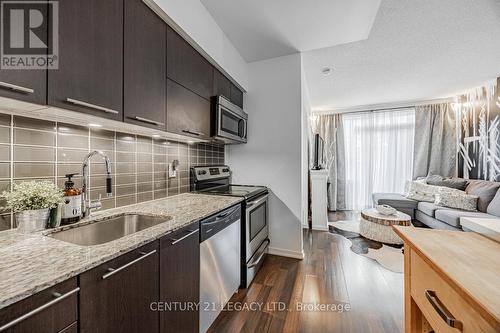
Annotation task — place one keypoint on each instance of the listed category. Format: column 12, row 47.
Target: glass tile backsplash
column 33, row 149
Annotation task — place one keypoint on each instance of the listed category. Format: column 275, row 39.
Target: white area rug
column 388, row 257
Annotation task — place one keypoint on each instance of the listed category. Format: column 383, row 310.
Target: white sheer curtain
column 378, row 154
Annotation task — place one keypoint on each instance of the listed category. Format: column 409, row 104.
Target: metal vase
column 32, row 220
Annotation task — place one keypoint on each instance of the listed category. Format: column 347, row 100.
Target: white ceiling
column 262, row 29
column 417, row 50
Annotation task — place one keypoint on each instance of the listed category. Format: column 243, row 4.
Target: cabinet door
column 116, row 296
column 222, row 85
column 236, row 96
column 180, row 280
column 187, row 113
column 145, row 71
column 29, row 85
column 187, row 67
column 55, row 316
column 90, row 74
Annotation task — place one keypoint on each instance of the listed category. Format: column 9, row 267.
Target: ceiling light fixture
column 156, row 135
column 326, row 71
column 95, row 125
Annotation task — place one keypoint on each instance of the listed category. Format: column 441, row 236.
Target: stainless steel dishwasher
column 219, row 263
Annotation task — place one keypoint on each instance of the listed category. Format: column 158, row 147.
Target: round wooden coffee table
column 378, row 227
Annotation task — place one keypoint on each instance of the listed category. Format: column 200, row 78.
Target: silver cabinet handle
column 259, row 258
column 25, row 316
column 149, row 121
column 442, row 311
column 91, row 106
column 113, row 271
column 16, row 88
column 177, row 240
column 193, row 132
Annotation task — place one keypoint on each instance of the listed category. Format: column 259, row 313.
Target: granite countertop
column 31, row 263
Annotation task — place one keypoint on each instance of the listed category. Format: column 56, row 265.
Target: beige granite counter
column 31, row 263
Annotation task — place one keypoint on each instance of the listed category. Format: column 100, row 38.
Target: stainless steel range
column 254, row 225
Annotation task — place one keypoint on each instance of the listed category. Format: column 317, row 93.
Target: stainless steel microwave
column 230, row 121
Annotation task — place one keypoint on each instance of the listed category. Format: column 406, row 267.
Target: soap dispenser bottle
column 72, row 207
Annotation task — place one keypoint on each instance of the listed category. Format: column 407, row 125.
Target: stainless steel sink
column 108, row 230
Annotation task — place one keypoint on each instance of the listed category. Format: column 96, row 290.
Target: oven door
column 257, row 228
column 231, row 125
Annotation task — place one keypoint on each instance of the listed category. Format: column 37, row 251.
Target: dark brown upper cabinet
column 187, row 113
column 222, row 85
column 145, row 70
column 29, row 85
column 187, row 67
column 236, row 96
column 180, row 279
column 90, row 74
column 59, row 310
column 116, row 296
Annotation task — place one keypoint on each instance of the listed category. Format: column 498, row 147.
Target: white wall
column 273, row 154
column 192, row 17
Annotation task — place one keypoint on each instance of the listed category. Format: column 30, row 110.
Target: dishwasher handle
column 216, row 223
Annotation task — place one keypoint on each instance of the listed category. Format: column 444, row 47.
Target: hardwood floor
column 330, row 274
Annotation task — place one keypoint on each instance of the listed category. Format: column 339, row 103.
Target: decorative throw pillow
column 456, row 199
column 420, row 191
column 456, row 183
column 485, row 190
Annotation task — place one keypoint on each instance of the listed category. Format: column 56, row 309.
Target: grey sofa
column 442, row 217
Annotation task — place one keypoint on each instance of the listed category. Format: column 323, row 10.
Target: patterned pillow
column 457, row 200
column 420, row 191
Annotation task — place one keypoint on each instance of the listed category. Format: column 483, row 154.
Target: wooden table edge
column 492, row 319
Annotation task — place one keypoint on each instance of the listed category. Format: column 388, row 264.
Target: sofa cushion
column 458, row 200
column 452, row 216
column 428, row 208
column 485, row 190
column 494, row 206
column 394, row 200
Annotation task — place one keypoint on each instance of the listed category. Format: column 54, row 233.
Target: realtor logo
column 29, row 34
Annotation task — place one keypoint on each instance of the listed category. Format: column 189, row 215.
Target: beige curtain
column 329, row 127
column 435, row 149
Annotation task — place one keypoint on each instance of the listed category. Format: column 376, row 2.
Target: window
column 379, row 154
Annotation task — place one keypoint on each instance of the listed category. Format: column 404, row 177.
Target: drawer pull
column 175, row 241
column 113, row 271
column 149, row 121
column 442, row 311
column 16, row 88
column 91, row 106
column 193, row 132
column 59, row 297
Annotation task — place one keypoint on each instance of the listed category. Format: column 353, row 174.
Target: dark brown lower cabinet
column 180, row 280
column 52, row 310
column 117, row 295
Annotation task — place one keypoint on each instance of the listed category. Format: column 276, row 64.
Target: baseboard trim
column 285, row 253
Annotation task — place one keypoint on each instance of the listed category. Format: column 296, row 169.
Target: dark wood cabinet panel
column 187, row 113
column 29, row 85
column 180, row 280
column 236, row 96
column 121, row 302
column 187, row 67
column 90, row 70
column 52, row 319
column 222, row 85
column 145, row 69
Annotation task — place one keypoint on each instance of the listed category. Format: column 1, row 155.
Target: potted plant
column 31, row 203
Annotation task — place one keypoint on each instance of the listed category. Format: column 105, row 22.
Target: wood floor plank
column 329, row 274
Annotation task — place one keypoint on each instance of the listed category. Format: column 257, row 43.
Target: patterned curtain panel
column 435, row 141
column 329, row 127
column 479, row 137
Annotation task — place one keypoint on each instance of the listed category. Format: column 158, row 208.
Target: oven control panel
column 211, row 172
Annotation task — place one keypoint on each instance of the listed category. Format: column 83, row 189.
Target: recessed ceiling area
column 262, row 29
column 416, row 50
